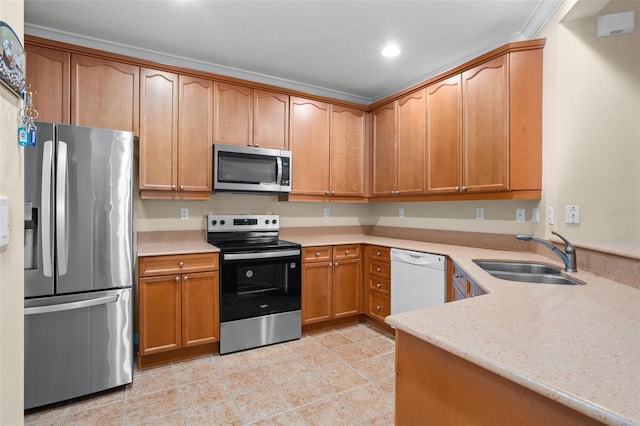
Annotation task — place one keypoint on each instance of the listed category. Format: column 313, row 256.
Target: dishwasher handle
column 416, row 258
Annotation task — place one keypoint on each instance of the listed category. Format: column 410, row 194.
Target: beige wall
column 591, row 148
column 12, row 256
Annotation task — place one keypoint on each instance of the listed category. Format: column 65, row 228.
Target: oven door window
column 247, row 168
column 253, row 288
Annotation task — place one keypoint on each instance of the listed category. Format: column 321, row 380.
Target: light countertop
column 578, row 345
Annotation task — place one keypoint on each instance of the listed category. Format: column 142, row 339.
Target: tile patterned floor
column 343, row 376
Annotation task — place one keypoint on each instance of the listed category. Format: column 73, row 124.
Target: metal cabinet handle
column 378, row 254
column 317, row 254
column 180, row 264
column 464, row 188
column 456, row 275
column 378, row 307
column 327, row 193
column 346, row 252
column 173, row 187
column 181, row 187
column 333, row 192
column 379, row 285
column 177, row 279
column 379, row 269
column 457, row 188
column 335, row 264
column 185, row 278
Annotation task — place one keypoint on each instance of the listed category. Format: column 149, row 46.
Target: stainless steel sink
column 526, row 272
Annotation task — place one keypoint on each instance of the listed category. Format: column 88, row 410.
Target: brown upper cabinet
column 327, row 142
column 399, row 147
column 48, row 74
column 484, row 127
column 104, row 93
column 176, row 116
column 252, row 117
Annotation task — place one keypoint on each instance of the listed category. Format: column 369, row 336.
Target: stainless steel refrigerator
column 78, row 262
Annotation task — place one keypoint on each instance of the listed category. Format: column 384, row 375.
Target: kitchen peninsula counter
column 578, row 345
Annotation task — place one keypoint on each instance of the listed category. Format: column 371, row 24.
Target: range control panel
column 242, row 223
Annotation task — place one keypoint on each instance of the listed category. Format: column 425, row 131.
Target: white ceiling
column 330, row 48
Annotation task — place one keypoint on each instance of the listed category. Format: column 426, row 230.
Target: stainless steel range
column 260, row 281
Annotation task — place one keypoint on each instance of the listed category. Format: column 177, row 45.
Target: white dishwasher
column 418, row 280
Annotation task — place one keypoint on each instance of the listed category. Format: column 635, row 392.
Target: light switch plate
column 479, row 213
column 535, row 215
column 184, row 214
column 520, row 215
column 4, row 221
column 550, row 219
column 401, row 212
column 325, row 212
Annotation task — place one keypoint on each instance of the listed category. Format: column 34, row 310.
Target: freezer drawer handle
column 70, row 306
column 261, row 255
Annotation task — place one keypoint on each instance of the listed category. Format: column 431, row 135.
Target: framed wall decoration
column 12, row 61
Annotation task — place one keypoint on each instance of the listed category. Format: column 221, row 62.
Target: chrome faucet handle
column 568, row 247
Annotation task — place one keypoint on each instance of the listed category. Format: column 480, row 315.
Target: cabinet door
column 158, row 130
column 444, row 136
column 200, row 318
column 317, row 294
column 48, row 73
column 233, row 121
column 104, row 93
column 270, row 119
column 309, row 142
column 411, row 144
column 485, row 90
column 384, row 150
column 159, row 310
column 347, row 288
column 195, row 137
column 347, row 151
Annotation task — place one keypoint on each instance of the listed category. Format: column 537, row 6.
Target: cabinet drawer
column 317, row 254
column 378, row 306
column 177, row 264
column 351, row 251
column 379, row 269
column 379, row 253
column 381, row 285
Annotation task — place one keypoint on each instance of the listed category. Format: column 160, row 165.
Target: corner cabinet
column 484, row 127
column 331, row 283
column 252, row 117
column 176, row 124
column 178, row 303
column 328, row 145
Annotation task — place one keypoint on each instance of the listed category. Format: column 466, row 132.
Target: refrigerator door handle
column 62, row 239
column 45, row 203
column 70, row 306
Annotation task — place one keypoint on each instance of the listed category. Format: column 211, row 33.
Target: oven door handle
column 260, row 255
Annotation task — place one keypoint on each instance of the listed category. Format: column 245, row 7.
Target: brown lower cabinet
column 331, row 283
column 178, row 303
column 377, row 303
column 435, row 387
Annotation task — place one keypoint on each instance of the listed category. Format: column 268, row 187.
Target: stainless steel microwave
column 251, row 169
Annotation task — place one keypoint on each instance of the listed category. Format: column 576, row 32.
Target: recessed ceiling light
column 390, row 51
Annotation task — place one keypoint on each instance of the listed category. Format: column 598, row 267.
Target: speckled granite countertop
column 578, row 345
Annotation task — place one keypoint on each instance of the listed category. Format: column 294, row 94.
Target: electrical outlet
column 520, row 215
column 325, row 212
column 184, row 214
column 400, row 212
column 550, row 216
column 572, row 214
column 535, row 215
column 479, row 213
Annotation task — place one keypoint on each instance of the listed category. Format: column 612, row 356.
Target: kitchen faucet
column 568, row 256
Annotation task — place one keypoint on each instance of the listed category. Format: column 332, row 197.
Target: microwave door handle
column 279, row 175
